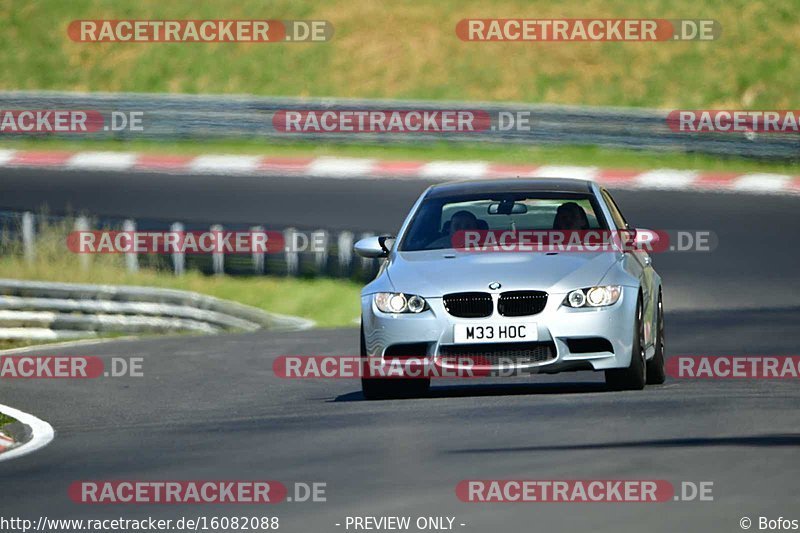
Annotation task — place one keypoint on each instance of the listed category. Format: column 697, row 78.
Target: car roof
column 535, row 185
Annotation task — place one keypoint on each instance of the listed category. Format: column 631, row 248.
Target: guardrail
column 172, row 116
column 334, row 258
column 46, row 310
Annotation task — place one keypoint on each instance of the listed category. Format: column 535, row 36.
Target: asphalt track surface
column 210, row 407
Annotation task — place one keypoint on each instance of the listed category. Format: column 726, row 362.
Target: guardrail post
column 344, row 247
column 131, row 258
column 178, row 258
column 258, row 257
column 292, row 256
column 319, row 244
column 218, row 258
column 28, row 237
column 82, row 224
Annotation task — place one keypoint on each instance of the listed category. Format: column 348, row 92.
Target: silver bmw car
column 512, row 309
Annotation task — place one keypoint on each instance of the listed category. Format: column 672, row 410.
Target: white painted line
column 6, row 156
column 454, row 169
column 558, row 171
column 225, row 164
column 101, row 161
column 666, row 179
column 761, row 182
column 67, row 344
column 340, row 167
column 13, row 316
column 43, row 333
column 42, row 433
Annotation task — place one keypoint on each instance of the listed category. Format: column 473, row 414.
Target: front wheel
column 635, row 376
column 393, row 388
column 390, row 388
column 656, row 374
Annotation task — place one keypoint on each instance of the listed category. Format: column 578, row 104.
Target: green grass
column 410, row 50
column 510, row 154
column 4, row 419
column 329, row 302
column 9, row 344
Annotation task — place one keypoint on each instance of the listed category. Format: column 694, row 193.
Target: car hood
column 432, row 274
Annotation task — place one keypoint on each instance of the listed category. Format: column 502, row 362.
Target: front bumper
column 559, row 325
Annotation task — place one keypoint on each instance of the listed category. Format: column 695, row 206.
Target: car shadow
column 773, row 440
column 499, row 389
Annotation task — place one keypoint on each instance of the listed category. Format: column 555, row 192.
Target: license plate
column 496, row 332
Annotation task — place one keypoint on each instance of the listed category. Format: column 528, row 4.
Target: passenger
column 570, row 216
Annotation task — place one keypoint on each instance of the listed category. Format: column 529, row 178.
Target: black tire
column 394, row 388
column 656, row 374
column 634, row 377
column 390, row 388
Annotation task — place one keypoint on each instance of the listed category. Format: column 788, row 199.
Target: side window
column 619, row 220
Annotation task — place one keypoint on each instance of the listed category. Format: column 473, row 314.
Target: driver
column 463, row 221
column 460, row 221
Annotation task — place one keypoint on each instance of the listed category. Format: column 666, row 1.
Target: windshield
column 438, row 219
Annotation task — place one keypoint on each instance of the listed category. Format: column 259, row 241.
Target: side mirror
column 648, row 240
column 638, row 239
column 374, row 247
column 627, row 239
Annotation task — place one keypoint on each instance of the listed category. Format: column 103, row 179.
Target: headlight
column 576, row 298
column 416, row 304
column 594, row 296
column 397, row 302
